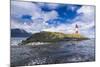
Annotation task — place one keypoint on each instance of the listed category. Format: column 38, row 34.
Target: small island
column 45, row 36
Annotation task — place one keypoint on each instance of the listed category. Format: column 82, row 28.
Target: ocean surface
column 53, row 53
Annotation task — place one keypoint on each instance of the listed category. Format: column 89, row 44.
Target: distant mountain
column 52, row 37
column 19, row 33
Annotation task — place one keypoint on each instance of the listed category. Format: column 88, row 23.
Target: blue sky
column 35, row 17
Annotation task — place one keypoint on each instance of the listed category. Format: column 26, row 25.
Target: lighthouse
column 76, row 29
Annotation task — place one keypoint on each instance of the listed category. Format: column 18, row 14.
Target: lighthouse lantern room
column 76, row 29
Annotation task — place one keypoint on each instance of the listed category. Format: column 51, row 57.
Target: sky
column 38, row 16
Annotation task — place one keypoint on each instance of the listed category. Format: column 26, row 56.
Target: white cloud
column 85, row 20
column 65, row 28
column 84, row 29
column 24, row 8
column 50, row 15
column 38, row 17
column 88, row 18
column 47, row 15
column 86, row 10
column 87, row 14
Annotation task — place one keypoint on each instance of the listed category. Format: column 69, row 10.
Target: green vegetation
column 52, row 37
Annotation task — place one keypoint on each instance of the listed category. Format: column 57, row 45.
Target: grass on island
column 52, row 37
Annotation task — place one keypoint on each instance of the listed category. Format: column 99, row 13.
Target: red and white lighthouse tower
column 76, row 29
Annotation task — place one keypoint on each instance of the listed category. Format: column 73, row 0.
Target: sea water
column 16, row 40
column 60, row 52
